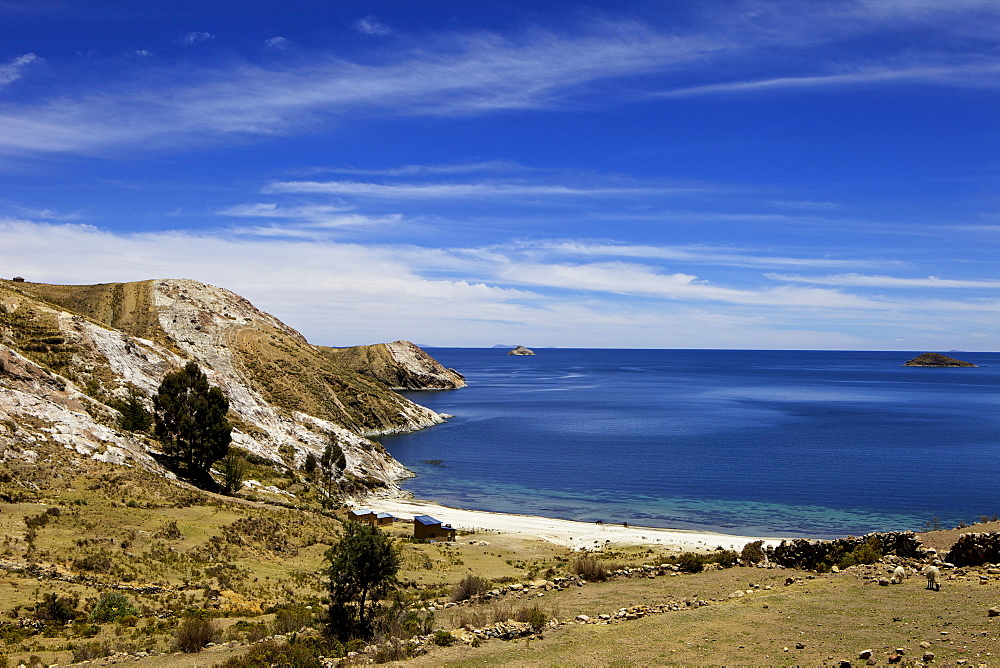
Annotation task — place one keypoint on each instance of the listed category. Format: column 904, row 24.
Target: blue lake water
column 813, row 443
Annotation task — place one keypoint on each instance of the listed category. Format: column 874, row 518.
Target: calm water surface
column 760, row 442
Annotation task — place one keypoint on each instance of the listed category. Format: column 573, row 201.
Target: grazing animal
column 933, row 574
column 898, row 576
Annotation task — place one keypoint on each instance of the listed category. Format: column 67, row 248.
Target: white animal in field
column 898, row 575
column 933, row 574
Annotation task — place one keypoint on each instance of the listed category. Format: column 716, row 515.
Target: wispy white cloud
column 457, row 190
column 706, row 255
column 344, row 293
column 978, row 75
column 195, row 37
column 804, row 205
column 303, row 221
column 278, row 42
column 878, row 281
column 13, row 70
column 370, row 25
column 469, row 74
column 767, row 45
column 490, row 166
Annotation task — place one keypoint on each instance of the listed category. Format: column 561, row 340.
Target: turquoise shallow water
column 812, row 443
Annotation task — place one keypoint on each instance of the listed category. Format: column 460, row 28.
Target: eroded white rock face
column 422, row 365
column 199, row 318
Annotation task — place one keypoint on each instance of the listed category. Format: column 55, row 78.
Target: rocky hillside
column 69, row 353
column 400, row 365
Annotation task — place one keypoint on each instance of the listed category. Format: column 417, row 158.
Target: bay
column 791, row 443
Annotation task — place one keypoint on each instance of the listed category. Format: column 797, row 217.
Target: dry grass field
column 82, row 529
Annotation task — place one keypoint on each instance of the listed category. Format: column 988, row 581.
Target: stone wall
column 975, row 549
column 822, row 554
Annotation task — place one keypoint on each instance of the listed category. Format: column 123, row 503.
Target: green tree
column 234, row 471
column 134, row 414
column 363, row 570
column 191, row 422
column 331, row 463
column 333, row 459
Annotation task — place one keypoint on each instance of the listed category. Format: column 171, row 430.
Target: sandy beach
column 577, row 535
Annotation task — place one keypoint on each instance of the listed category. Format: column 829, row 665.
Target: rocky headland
column 401, row 365
column 70, row 354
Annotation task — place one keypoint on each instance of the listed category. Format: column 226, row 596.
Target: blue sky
column 801, row 175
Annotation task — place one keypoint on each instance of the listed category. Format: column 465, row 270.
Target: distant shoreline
column 568, row 533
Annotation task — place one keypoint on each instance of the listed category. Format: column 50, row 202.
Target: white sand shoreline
column 569, row 533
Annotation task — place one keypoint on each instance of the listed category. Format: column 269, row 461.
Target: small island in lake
column 521, row 350
column 936, row 359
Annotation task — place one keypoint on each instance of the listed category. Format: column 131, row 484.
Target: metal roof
column 426, row 520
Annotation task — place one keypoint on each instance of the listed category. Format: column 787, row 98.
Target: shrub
column 867, row 553
column 291, row 618
column 56, row 609
column 469, row 586
column 443, row 638
column 84, row 630
column 248, row 631
column 533, row 615
column 194, row 633
column 403, row 623
column 590, row 568
column 753, row 553
column 501, row 611
column 169, row 531
column 725, row 558
column 271, row 653
column 92, row 650
column 392, row 651
column 692, row 562
column 97, row 562
column 112, row 607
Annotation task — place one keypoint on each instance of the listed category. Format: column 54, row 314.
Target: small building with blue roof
column 426, row 527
